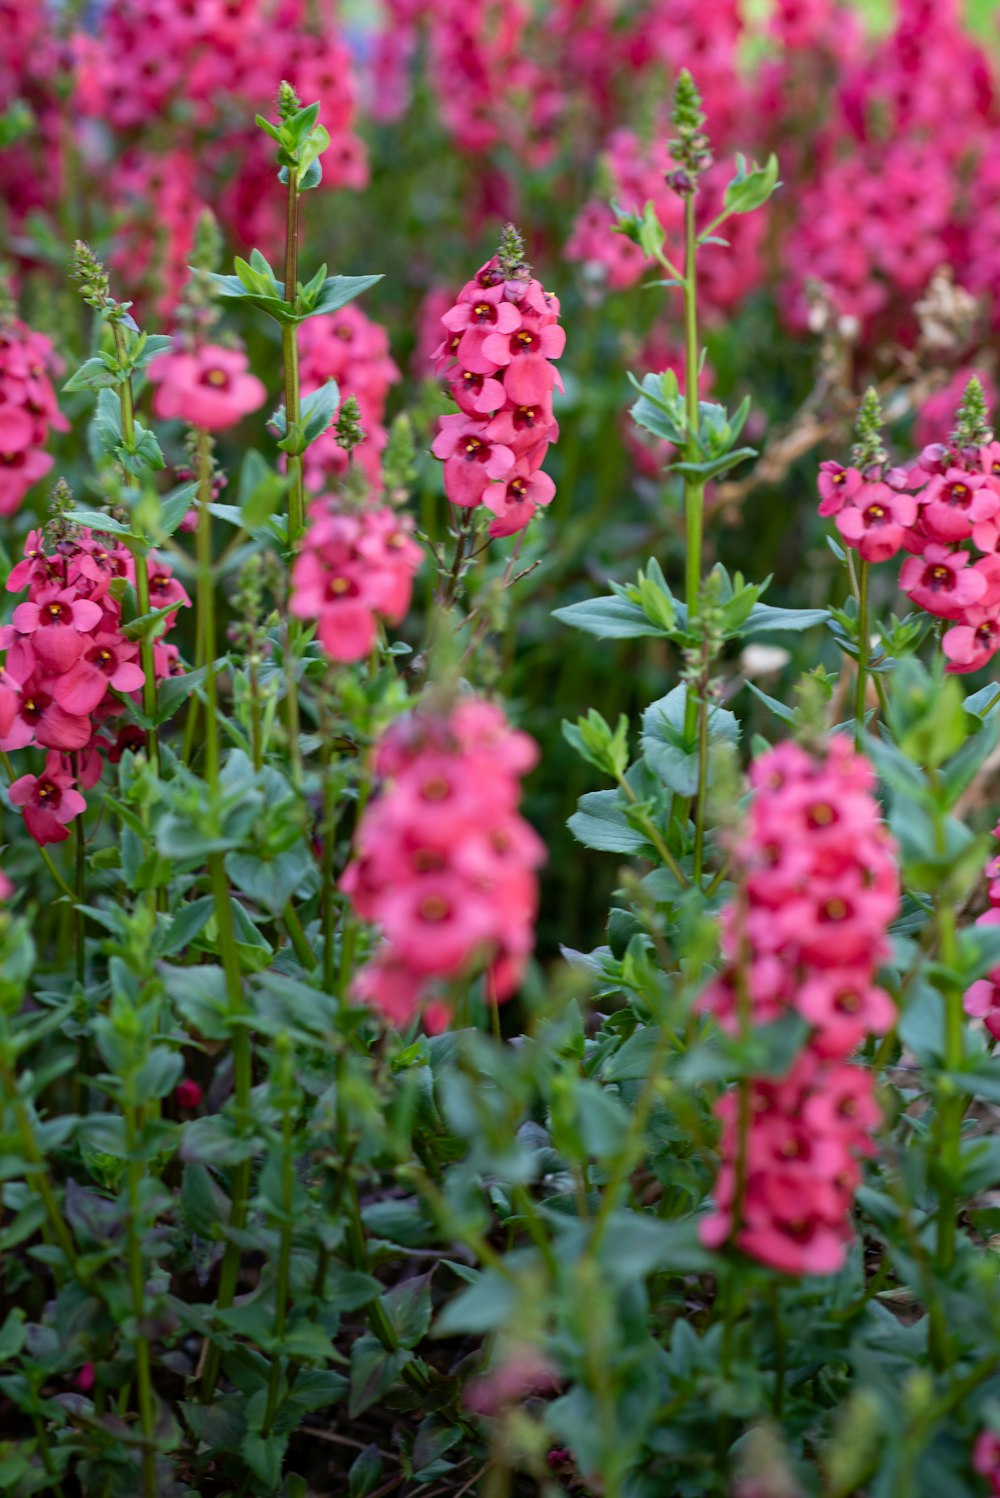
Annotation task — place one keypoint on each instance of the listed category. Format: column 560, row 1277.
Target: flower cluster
column 982, row 998
column 945, row 504
column 208, row 387
column 818, row 887
column 68, row 665
column 501, row 337
column 28, row 410
column 356, row 567
column 445, row 865
column 348, row 347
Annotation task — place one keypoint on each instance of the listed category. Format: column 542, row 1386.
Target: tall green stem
column 137, row 1285
column 283, row 1275
column 862, row 677
column 242, row 1060
column 952, row 1108
column 694, row 490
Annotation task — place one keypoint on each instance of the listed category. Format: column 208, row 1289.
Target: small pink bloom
column 472, row 460
column 972, row 644
column 49, row 800
column 941, row 581
column 874, row 520
column 188, row 1093
column 209, row 388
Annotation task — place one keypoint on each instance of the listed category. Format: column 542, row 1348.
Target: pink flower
column 986, row 1459
column 49, row 800
column 972, row 644
column 109, row 661
column 209, row 388
column 818, row 888
column 445, row 865
column 941, row 581
column 954, row 502
column 84, row 1379
column 472, row 460
column 503, row 330
column 57, row 620
column 516, row 502
column 874, row 520
column 354, row 568
column 188, row 1093
column 28, row 410
column 525, row 357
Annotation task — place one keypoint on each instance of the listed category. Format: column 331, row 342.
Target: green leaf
column 751, row 189
column 600, row 823
column 373, row 1373
column 271, row 882
column 337, row 291
column 490, row 1302
column 609, row 619
column 763, row 617
column 97, row 520
column 671, row 755
column 366, row 1469
column 408, row 1306
column 94, row 374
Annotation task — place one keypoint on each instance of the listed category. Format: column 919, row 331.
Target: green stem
column 205, row 597
column 375, row 1313
column 862, row 676
column 701, row 798
column 694, row 491
column 326, row 895
column 300, row 944
column 652, row 832
column 81, row 890
column 39, row 1177
column 952, row 1108
column 283, row 1276
column 242, row 1086
column 137, row 1283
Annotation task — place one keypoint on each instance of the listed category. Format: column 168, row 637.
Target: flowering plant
column 329, row 1164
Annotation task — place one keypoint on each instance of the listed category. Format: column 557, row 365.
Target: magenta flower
column 39, row 719
column 108, row 661
column 49, row 800
column 471, row 459
column 445, row 866
column 941, row 581
column 973, row 643
column 514, row 503
column 354, row 568
column 874, row 520
column 819, row 887
column 57, row 620
column 503, row 330
column 479, row 314
column 525, row 357
column 209, row 388
column 954, row 503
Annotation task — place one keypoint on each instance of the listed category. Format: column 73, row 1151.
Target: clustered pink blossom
column 818, row 888
column 204, row 66
column 356, row 567
column 208, row 387
column 501, row 338
column 348, row 347
column 29, row 410
column 68, row 667
column 944, row 511
column 445, row 865
column 982, row 998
